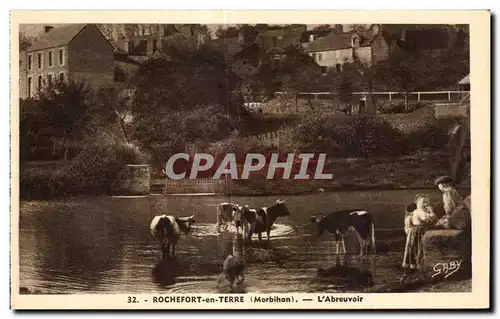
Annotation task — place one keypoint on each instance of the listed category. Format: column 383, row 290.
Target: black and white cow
column 229, row 213
column 261, row 220
column 341, row 222
column 234, row 264
column 167, row 229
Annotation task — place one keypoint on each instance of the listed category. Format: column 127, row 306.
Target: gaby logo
column 254, row 162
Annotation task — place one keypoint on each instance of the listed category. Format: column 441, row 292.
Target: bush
column 394, row 107
column 91, row 172
column 341, row 136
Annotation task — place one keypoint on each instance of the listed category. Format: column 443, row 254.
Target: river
column 103, row 245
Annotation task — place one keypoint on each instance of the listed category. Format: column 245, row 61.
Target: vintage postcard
column 250, row 160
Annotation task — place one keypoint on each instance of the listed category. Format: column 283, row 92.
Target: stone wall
column 448, row 253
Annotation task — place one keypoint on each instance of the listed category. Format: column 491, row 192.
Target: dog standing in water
column 234, row 265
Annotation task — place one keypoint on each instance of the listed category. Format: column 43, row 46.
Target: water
column 103, row 245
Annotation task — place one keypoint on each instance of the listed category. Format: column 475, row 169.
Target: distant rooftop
column 57, row 36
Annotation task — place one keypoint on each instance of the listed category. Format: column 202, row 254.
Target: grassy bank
column 412, row 171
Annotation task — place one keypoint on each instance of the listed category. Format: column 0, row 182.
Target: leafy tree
column 298, row 72
column 357, row 28
column 66, row 108
column 322, row 27
column 178, row 93
column 24, row 42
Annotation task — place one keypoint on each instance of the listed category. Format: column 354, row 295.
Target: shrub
column 91, row 172
column 394, row 107
column 341, row 136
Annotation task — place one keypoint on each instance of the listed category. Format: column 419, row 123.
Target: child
column 420, row 218
column 408, row 216
column 452, row 201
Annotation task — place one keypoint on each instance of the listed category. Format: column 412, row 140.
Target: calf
column 262, row 219
column 340, row 222
column 167, row 229
column 234, row 264
column 226, row 213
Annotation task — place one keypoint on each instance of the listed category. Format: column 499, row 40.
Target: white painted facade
column 333, row 57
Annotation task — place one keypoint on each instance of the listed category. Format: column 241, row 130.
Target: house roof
column 339, row 41
column 465, row 80
column 317, row 33
column 58, row 36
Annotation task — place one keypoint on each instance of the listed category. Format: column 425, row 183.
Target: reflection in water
column 76, row 244
column 103, row 245
column 233, row 268
column 342, row 273
column 166, row 271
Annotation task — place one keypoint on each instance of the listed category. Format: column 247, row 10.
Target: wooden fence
column 417, row 96
column 195, row 186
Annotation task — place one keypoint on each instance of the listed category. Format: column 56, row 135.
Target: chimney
column 311, row 37
column 127, row 46
column 47, row 28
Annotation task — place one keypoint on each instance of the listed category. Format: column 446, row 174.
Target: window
column 51, row 58
column 61, row 56
column 338, row 67
column 40, row 82
column 319, row 56
column 30, row 87
column 155, row 45
column 40, row 60
column 61, row 77
column 49, row 80
column 30, row 61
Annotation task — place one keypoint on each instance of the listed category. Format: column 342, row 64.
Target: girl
column 414, row 250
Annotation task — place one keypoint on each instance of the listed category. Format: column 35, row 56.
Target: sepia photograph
column 264, row 158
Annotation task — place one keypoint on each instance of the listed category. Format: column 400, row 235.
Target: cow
column 340, row 222
column 167, row 229
column 234, row 264
column 262, row 219
column 226, row 213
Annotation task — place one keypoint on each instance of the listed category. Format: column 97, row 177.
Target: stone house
column 335, row 49
column 74, row 52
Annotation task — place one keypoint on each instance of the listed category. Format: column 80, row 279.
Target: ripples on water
column 103, row 245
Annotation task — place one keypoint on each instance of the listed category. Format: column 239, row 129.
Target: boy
column 452, row 201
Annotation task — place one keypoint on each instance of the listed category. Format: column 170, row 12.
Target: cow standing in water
column 340, row 222
column 167, row 229
column 234, row 264
column 227, row 213
column 262, row 219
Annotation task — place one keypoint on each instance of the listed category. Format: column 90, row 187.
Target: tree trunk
column 297, row 103
column 406, row 102
column 121, row 120
column 309, row 103
column 63, row 142
column 54, row 146
column 66, row 150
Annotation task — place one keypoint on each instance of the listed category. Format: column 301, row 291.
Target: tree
column 66, row 108
column 357, row 28
column 24, row 42
column 322, row 27
column 298, row 72
column 183, row 96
